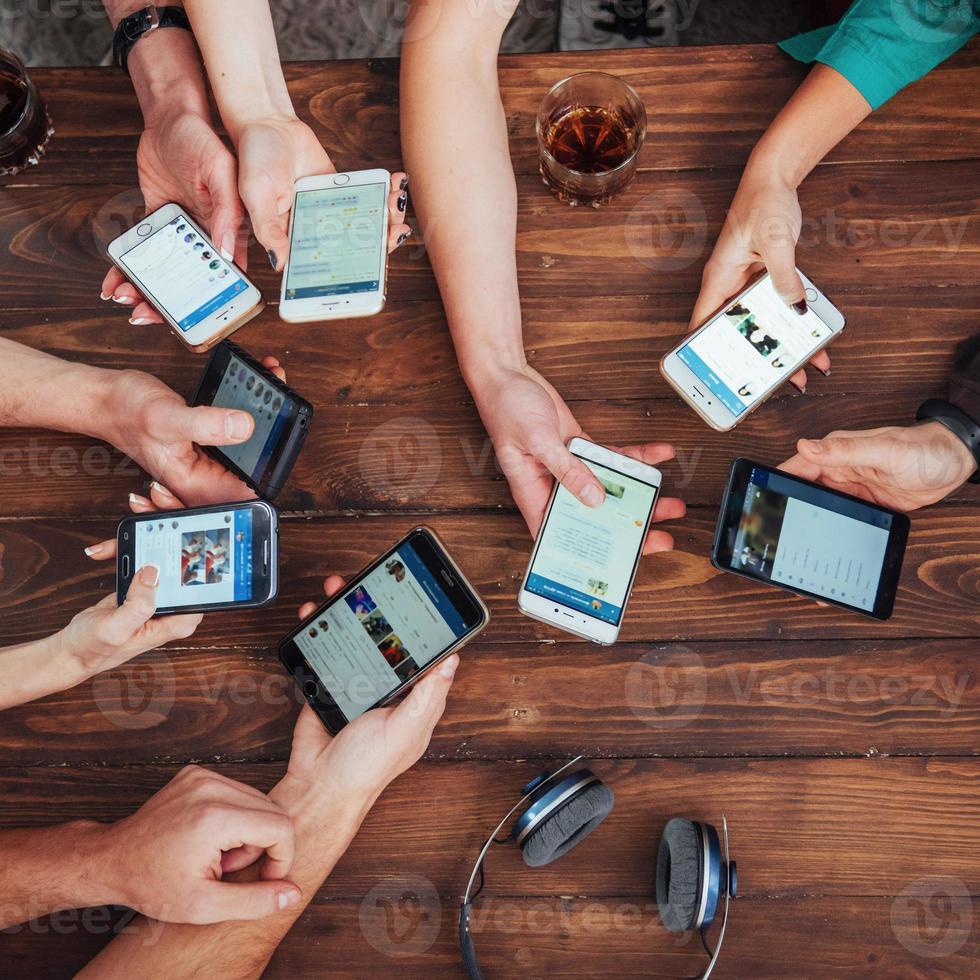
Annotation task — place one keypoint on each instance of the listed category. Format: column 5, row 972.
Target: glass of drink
column 25, row 126
column 590, row 129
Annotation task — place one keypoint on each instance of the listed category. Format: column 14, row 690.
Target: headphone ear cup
column 679, row 875
column 568, row 826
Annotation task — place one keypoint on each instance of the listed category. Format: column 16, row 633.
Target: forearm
column 822, row 111
column 454, row 136
column 30, row 671
column 238, row 43
column 165, row 68
column 324, row 828
column 42, row 391
column 50, row 868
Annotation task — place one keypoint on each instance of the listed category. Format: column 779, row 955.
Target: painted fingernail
column 105, row 297
column 227, row 247
column 93, row 550
column 124, row 300
column 404, row 184
column 402, row 201
column 800, row 306
column 150, row 576
column 139, row 321
column 161, row 489
column 237, row 425
column 286, row 899
column 273, row 261
column 826, row 373
column 404, row 237
column 135, row 498
column 592, row 496
column 448, row 669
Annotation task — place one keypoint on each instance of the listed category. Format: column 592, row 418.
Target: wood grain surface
column 843, row 751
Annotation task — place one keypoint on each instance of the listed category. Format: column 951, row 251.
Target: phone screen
column 809, row 538
column 203, row 558
column 182, row 273
column 337, row 245
column 585, row 556
column 752, row 346
column 381, row 632
column 242, row 388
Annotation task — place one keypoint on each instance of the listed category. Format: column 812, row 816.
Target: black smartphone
column 235, row 379
column 221, row 557
column 808, row 539
column 398, row 618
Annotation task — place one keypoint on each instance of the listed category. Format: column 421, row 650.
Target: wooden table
column 843, row 751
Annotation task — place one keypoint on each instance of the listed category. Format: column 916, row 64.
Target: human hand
column 181, row 159
column 151, row 423
column 900, row 467
column 274, row 152
column 760, row 232
column 167, row 859
column 530, row 426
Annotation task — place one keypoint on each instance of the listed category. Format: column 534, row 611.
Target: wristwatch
column 957, row 421
column 130, row 29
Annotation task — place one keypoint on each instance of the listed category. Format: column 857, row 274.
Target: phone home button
column 144, row 230
column 811, row 295
column 342, row 179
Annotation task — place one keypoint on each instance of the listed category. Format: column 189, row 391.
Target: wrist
column 773, row 164
column 323, row 804
column 168, row 77
column 87, row 878
column 486, row 376
column 954, row 449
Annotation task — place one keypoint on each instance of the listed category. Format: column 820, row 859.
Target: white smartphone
column 729, row 366
column 203, row 296
column 338, row 247
column 585, row 559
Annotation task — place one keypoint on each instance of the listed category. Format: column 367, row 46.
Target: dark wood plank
column 774, row 698
column 706, row 107
column 867, row 223
column 677, row 595
column 798, row 826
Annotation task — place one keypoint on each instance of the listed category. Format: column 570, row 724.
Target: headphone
column 559, row 813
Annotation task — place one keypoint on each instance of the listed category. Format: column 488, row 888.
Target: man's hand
column 903, row 468
column 168, row 858
column 530, row 426
column 152, row 424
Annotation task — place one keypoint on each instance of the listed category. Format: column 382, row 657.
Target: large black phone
column 809, row 539
column 396, row 619
column 235, row 379
column 225, row 556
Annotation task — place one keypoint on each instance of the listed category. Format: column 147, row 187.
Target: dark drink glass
column 25, row 127
column 590, row 129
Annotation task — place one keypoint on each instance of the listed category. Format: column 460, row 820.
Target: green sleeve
column 880, row 46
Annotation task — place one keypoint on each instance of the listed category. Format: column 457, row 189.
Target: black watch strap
column 130, row 29
column 966, row 429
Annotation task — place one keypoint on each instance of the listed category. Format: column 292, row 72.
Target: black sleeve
column 964, row 386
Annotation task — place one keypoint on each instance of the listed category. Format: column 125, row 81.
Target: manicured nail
column 161, row 489
column 93, row 550
column 448, row 669
column 592, row 496
column 800, row 306
column 135, row 498
column 124, row 300
column 227, row 247
column 285, row 899
column 105, row 297
column 404, row 184
column 273, row 261
column 826, row 373
column 139, row 321
column 150, row 576
column 402, row 201
column 404, row 237
column 236, row 425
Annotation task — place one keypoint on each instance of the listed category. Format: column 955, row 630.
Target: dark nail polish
column 800, row 306
column 273, row 261
column 402, row 201
column 404, row 184
column 404, row 237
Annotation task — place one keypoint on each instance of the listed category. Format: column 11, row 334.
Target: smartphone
column 235, row 379
column 808, row 539
column 174, row 264
column 585, row 559
column 225, row 556
column 408, row 610
column 729, row 366
column 338, row 247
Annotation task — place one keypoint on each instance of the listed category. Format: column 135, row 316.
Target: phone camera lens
column 309, row 689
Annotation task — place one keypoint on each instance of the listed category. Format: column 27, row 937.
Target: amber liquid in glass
column 24, row 124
